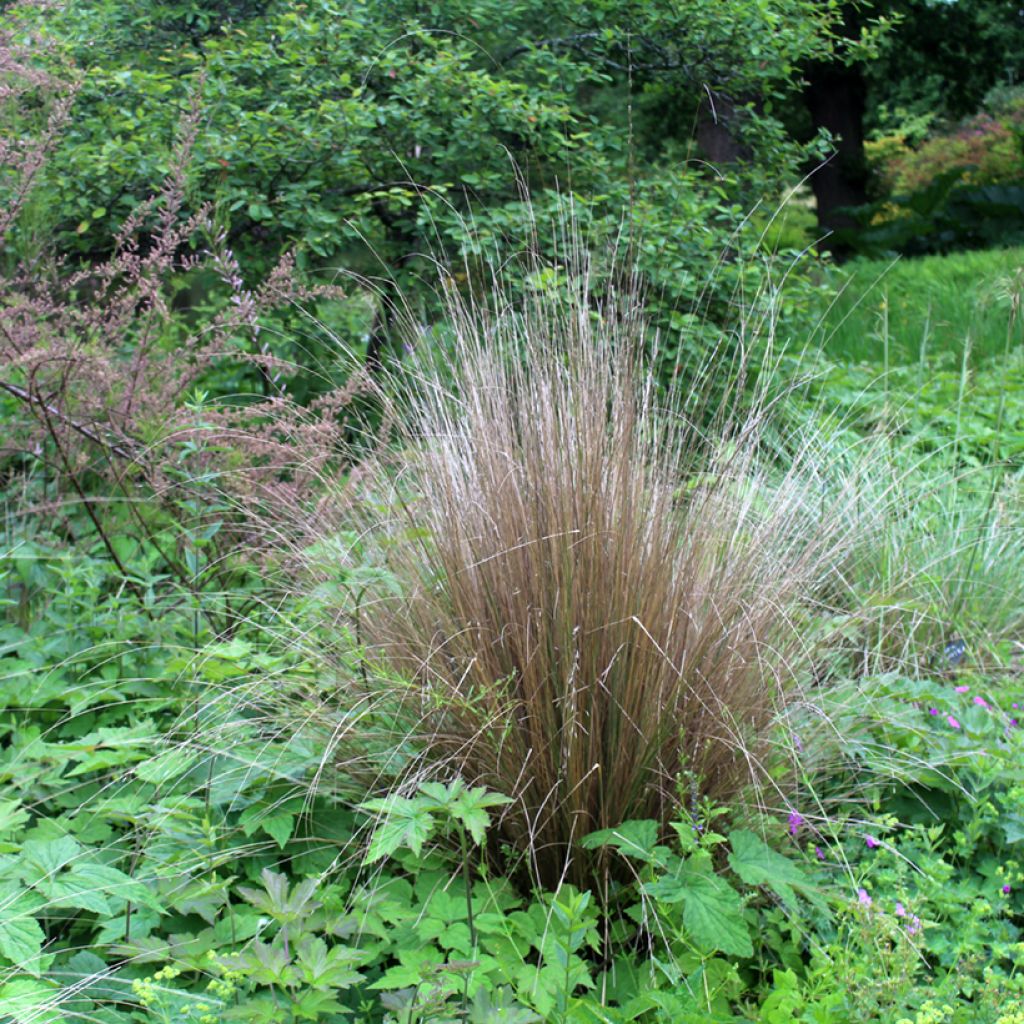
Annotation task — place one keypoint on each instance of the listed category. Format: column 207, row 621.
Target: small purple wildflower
column 795, row 821
column 933, row 711
column 1013, row 705
column 961, row 689
column 901, row 911
column 952, row 721
column 914, row 925
column 863, row 898
column 981, row 702
column 819, row 853
column 796, row 743
column 1007, row 890
column 871, row 842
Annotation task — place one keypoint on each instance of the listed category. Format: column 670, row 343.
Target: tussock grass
column 595, row 607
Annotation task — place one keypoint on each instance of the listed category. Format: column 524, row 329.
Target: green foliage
column 415, row 122
column 887, row 314
column 178, row 843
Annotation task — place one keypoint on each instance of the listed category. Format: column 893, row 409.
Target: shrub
column 146, row 412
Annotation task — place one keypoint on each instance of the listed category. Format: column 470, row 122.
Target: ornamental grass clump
column 594, row 607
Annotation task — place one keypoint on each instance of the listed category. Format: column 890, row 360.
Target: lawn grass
column 894, row 312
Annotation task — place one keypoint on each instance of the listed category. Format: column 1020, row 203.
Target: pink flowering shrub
column 107, row 376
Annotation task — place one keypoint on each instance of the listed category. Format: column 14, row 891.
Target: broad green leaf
column 317, row 1006
column 30, row 1001
column 167, row 766
column 635, row 839
column 470, row 808
column 713, row 915
column 96, row 879
column 1013, row 827
column 21, row 938
column 280, row 828
column 404, row 822
column 712, row 909
column 44, row 858
column 758, row 864
column 12, row 815
column 324, row 968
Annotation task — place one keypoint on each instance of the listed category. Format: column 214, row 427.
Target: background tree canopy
column 361, row 134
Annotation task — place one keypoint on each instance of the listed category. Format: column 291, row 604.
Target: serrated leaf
column 1013, row 827
column 43, row 858
column 21, row 937
column 324, row 968
column 30, row 1001
column 470, row 808
column 280, row 828
column 97, row 881
column 171, row 764
column 712, row 908
column 12, row 815
column 713, row 915
column 277, row 901
column 634, row 839
column 758, row 864
column 317, row 1005
column 404, row 823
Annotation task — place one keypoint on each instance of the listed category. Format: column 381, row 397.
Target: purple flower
column 819, row 853
column 863, row 898
column 872, row 842
column 1007, row 890
column 901, row 911
column 796, row 743
column 933, row 711
column 795, row 821
column 981, row 702
column 914, row 925
column 961, row 689
column 1013, row 705
column 1013, row 721
column 952, row 721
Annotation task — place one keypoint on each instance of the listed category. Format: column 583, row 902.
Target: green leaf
column 324, row 968
column 712, row 909
column 12, row 815
column 44, row 858
column 30, row 1001
column 317, row 1006
column 90, row 881
column 713, row 915
column 21, row 938
column 1013, row 827
column 758, row 864
column 634, row 839
column 280, row 828
column 276, row 900
column 470, row 809
column 404, row 823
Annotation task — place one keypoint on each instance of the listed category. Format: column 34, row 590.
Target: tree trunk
column 835, row 100
column 835, row 96
column 716, row 133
